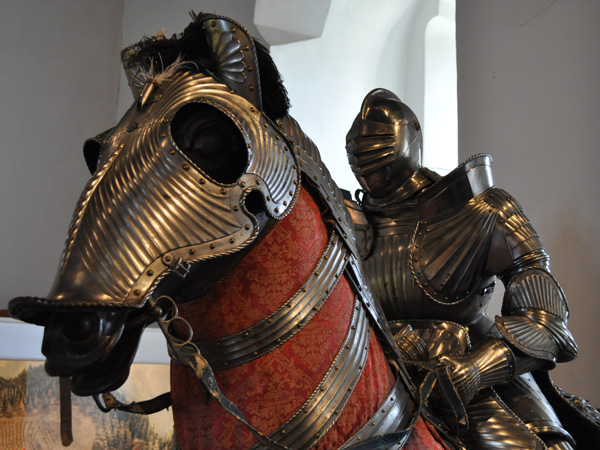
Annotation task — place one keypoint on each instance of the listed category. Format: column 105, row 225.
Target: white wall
column 58, row 86
column 528, row 93
column 147, row 17
column 364, row 45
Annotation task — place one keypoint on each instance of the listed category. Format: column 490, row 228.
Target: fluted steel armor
column 434, row 247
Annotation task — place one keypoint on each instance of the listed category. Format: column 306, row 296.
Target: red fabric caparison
column 270, row 389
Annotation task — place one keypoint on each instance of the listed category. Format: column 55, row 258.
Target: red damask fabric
column 272, row 388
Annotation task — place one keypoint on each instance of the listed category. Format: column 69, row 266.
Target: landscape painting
column 29, row 412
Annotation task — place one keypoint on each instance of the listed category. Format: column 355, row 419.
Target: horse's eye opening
column 211, row 141
column 91, row 152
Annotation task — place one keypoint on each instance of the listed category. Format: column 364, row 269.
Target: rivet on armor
column 336, row 368
column 358, row 438
column 252, row 109
column 136, row 292
column 282, row 431
column 167, row 258
column 265, row 124
column 328, row 199
column 349, row 389
column 165, row 120
column 353, row 327
column 171, row 152
column 276, row 210
column 257, row 182
column 294, row 166
column 322, row 389
column 186, row 167
column 236, row 208
column 304, row 289
column 223, row 191
column 246, row 334
column 250, row 68
column 242, row 184
column 347, row 347
column 255, row 353
column 163, row 134
column 316, row 177
column 295, row 181
column 284, row 203
column 246, row 48
column 305, row 411
column 315, row 308
column 336, row 412
column 217, row 344
column 383, row 410
column 233, row 30
column 269, row 320
column 202, row 181
column 289, row 304
column 317, row 434
column 150, row 273
column 231, row 240
column 268, row 198
column 251, row 87
column 247, row 227
column 225, row 363
column 212, row 246
column 192, row 251
column 316, row 273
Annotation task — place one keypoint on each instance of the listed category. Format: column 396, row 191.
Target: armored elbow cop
column 535, row 316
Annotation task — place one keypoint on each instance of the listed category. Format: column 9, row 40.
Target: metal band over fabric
column 268, row 334
column 391, row 416
column 310, row 423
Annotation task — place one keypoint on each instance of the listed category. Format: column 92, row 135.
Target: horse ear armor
column 235, row 57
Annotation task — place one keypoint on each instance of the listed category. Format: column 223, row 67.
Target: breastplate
column 429, row 258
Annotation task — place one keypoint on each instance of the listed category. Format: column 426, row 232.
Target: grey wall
column 58, row 86
column 528, row 94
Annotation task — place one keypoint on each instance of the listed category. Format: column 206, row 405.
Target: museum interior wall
column 527, row 94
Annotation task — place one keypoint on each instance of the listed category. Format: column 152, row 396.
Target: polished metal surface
column 492, row 426
column 440, row 243
column 317, row 175
column 384, row 144
column 285, row 322
column 310, row 423
column 151, row 210
column 392, row 415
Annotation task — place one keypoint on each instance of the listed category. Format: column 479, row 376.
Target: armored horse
column 210, row 212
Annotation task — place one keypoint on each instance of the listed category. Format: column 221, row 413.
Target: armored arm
column 533, row 331
column 534, row 310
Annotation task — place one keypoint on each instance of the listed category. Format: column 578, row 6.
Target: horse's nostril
column 79, row 329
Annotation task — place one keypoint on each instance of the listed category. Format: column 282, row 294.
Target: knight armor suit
column 433, row 248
